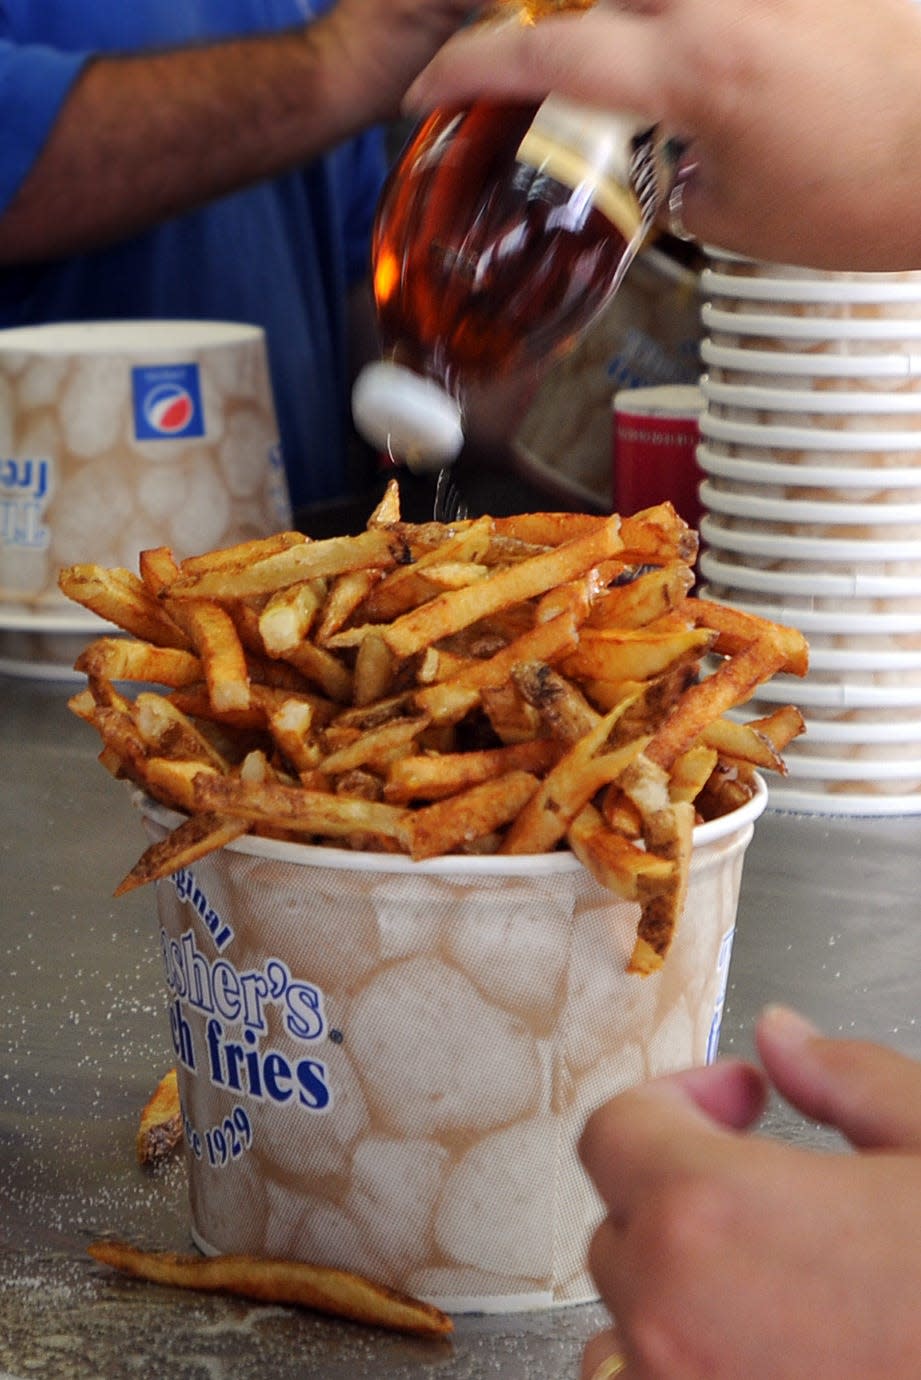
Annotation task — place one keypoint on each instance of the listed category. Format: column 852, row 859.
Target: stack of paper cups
column 811, row 451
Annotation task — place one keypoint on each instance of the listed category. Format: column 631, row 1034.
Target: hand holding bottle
column 803, row 118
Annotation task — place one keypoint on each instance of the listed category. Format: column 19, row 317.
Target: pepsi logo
column 168, row 409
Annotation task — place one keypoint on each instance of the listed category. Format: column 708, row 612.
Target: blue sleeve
column 369, row 168
column 34, row 81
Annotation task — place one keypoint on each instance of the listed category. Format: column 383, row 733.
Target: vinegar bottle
column 501, row 232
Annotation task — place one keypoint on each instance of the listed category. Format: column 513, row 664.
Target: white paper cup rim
column 758, row 471
column 840, row 695
column 852, row 769
column 795, row 510
column 861, row 734
column 787, row 363
column 749, row 542
column 846, row 584
column 464, row 865
column 824, row 621
column 756, row 398
column 806, row 438
column 832, row 659
column 121, row 337
column 805, row 289
column 782, row 270
column 681, row 401
column 850, row 805
column 810, row 327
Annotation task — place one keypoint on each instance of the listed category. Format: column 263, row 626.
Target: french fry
column 509, row 685
column 184, row 845
column 616, row 862
column 633, row 654
column 780, row 727
column 691, row 772
column 668, row 834
column 168, row 732
column 449, row 700
column 377, row 747
column 242, row 554
column 387, row 510
column 346, row 593
column 298, row 811
column 435, row 775
column 215, row 639
column 318, row 1287
column 561, row 706
column 374, row 670
column 117, row 658
column 738, row 630
column 465, row 817
column 306, row 560
column 641, row 601
column 158, row 569
column 288, row 616
column 744, row 742
column 159, row 1130
column 568, row 786
column 402, row 589
column 121, row 597
column 449, row 613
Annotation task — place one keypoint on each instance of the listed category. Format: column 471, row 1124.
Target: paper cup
column 837, row 798
column 654, row 449
column 853, row 482
column 728, row 261
column 851, row 410
column 881, row 736
column 122, row 435
column 906, row 772
column 833, row 289
column 872, row 519
column 839, row 694
column 727, row 570
column 843, row 368
column 815, row 619
column 385, row 1065
column 739, row 535
column 808, row 332
column 804, row 438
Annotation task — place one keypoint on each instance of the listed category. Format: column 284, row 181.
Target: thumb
column 868, row 1092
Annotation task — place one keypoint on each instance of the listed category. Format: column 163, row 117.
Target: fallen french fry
column 159, row 1130
column 318, row 1287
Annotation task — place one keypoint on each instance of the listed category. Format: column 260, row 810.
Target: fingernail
column 788, row 1025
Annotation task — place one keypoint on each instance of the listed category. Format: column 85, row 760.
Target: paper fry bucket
column 385, row 1065
column 121, row 435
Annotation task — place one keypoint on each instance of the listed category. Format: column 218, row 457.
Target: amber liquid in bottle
column 482, row 262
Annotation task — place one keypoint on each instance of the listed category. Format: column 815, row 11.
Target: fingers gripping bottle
column 501, row 232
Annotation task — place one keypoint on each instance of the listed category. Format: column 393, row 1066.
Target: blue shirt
column 281, row 254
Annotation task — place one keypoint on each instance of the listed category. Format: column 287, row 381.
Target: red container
column 656, row 434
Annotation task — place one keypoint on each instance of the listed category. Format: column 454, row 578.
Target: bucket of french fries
column 447, row 825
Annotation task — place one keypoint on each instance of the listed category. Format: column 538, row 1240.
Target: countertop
column 827, row 921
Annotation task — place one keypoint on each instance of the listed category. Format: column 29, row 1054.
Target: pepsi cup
column 116, row 436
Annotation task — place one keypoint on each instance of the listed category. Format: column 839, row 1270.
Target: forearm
column 142, row 138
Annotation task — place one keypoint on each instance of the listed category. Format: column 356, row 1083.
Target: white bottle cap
column 411, row 417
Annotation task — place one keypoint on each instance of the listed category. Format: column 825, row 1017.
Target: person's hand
column 725, row 1255
column 386, row 43
column 803, row 118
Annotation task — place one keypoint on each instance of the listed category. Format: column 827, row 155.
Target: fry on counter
column 159, row 1130
column 495, row 685
column 318, row 1287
